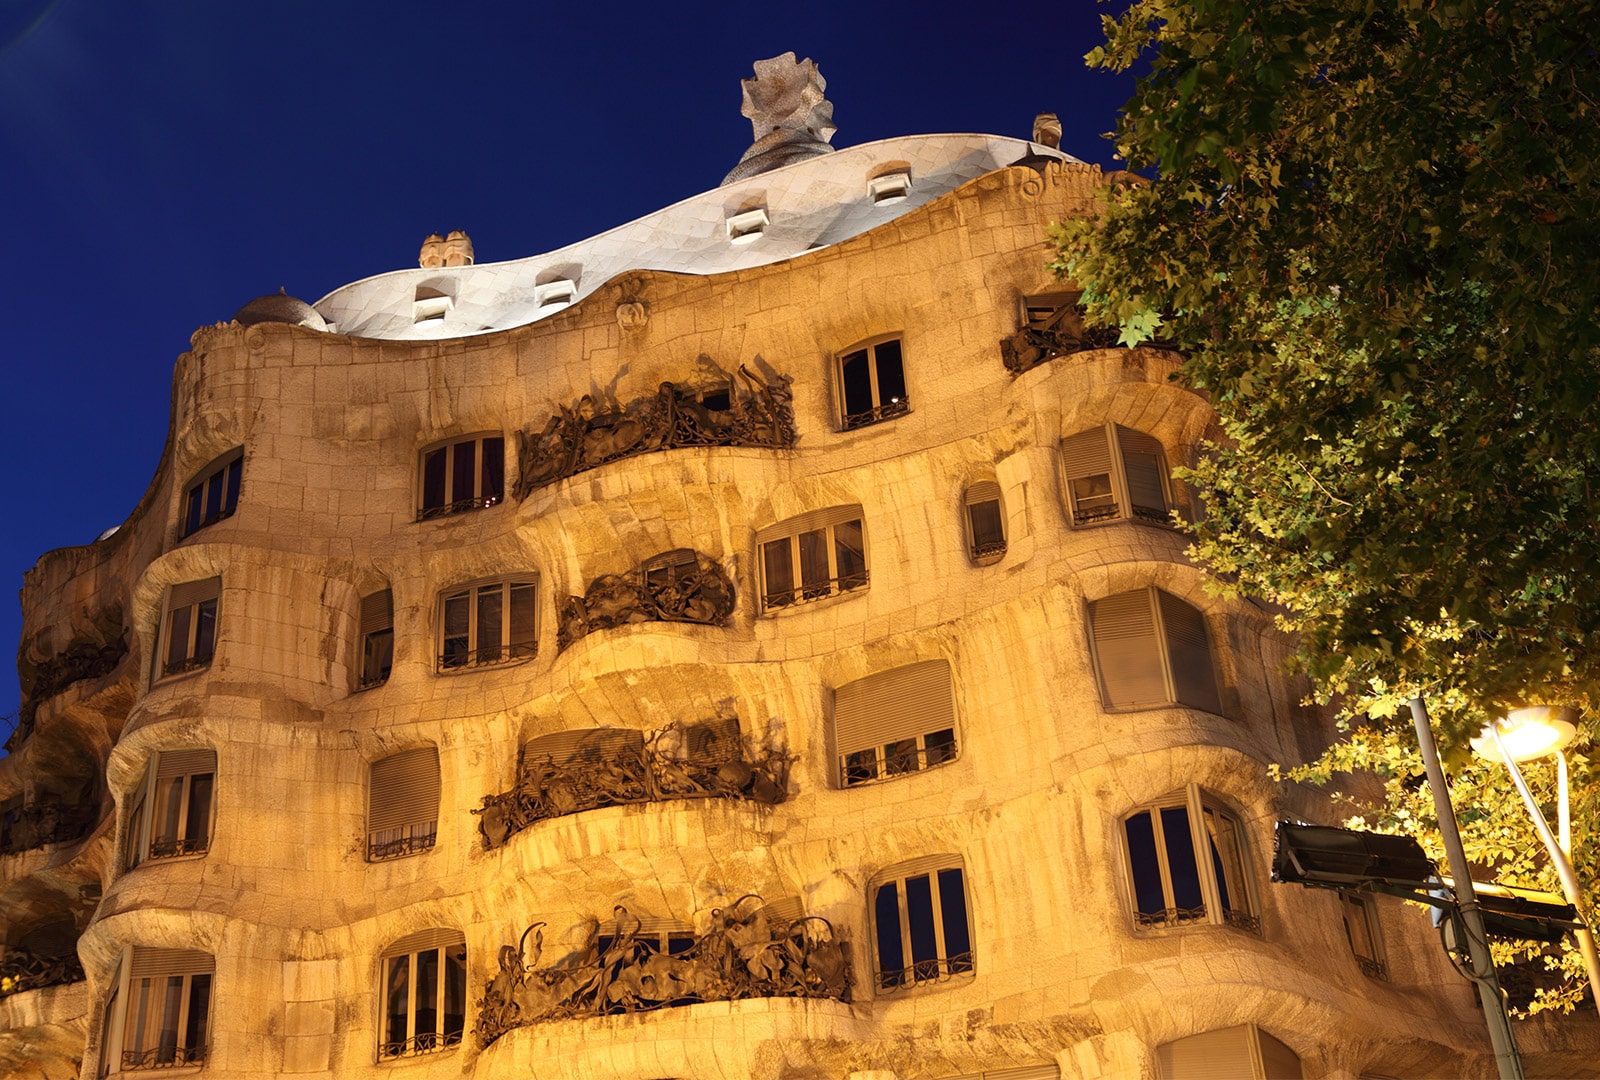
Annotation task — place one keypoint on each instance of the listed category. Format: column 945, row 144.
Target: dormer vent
column 889, row 188
column 747, row 227
column 555, row 294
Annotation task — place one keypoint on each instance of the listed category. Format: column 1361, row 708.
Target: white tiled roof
column 810, row 204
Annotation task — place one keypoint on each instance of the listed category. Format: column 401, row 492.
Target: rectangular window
column 377, row 638
column 465, row 475
column 172, row 811
column 490, row 622
column 1187, row 864
column 403, row 804
column 425, row 994
column 189, row 627
column 920, row 923
column 1360, row 910
column 894, row 722
column 812, row 556
column 1114, row 473
column 1152, row 650
column 166, row 1009
column 214, row 493
column 986, row 529
column 872, row 384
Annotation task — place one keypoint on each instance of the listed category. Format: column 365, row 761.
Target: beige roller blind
column 924, row 864
column 675, row 557
column 185, row 763
column 982, row 491
column 441, row 937
column 1194, row 675
column 649, row 925
column 404, row 790
column 1143, row 463
column 584, row 744
column 1088, row 453
column 1278, row 1062
column 787, row 910
column 713, row 740
column 809, row 522
column 377, row 612
column 900, row 703
column 1223, row 1054
column 1126, row 651
column 193, row 592
column 150, row 963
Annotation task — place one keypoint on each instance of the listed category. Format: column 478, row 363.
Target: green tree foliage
column 1374, row 231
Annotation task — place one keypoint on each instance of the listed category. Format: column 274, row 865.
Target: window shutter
column 900, row 703
column 675, row 557
column 152, row 963
column 377, row 612
column 1194, row 677
column 810, row 521
column 925, row 864
column 788, row 911
column 649, row 925
column 713, row 741
column 982, row 491
column 174, row 763
column 193, row 592
column 1126, row 650
column 404, row 790
column 1039, row 309
column 1143, row 462
column 1086, row 454
column 592, row 744
column 435, row 938
column 1223, row 1054
column 1278, row 1062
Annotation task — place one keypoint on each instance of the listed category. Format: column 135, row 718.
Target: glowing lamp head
column 1533, row 732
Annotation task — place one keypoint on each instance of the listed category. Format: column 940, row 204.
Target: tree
column 1373, row 232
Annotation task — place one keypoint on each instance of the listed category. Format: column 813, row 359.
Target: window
column 466, row 475
column 172, row 808
column 425, row 993
column 669, row 568
column 872, row 384
column 1152, row 650
column 1114, row 473
column 159, row 1010
column 920, row 922
column 813, row 556
column 189, row 629
column 213, row 494
column 894, row 722
column 403, row 804
column 489, row 622
column 1245, row 1052
column 377, row 638
column 1188, row 863
column 985, row 521
column 656, row 935
column 1360, row 910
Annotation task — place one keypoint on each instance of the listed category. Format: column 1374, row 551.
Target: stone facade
column 631, row 927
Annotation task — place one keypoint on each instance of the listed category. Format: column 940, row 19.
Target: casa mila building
column 749, row 644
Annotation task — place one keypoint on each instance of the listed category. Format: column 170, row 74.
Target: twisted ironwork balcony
column 937, row 969
column 1372, row 969
column 992, row 550
column 21, row 970
column 413, row 844
column 424, row 1042
column 1172, row 916
column 166, row 847
column 164, row 1057
column 486, row 657
column 44, row 823
column 877, row 414
column 188, row 663
column 459, row 506
column 815, row 590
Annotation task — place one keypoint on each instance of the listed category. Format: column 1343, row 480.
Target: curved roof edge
column 761, row 220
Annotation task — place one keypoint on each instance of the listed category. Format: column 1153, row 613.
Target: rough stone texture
column 332, row 429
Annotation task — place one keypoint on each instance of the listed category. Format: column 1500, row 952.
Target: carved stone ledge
column 745, row 411
column 682, row 586
column 746, row 952
column 579, row 771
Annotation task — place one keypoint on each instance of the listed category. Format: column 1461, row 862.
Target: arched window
column 1188, row 864
column 920, row 922
column 985, row 519
column 489, row 622
column 461, row 475
column 892, row 722
column 159, row 1010
column 812, row 557
column 377, row 639
column 1114, row 473
column 424, row 993
column 172, row 808
column 213, row 494
column 1152, row 650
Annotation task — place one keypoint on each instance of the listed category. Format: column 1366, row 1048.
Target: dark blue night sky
column 165, row 161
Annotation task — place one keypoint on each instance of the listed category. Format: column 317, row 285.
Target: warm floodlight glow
column 1534, row 732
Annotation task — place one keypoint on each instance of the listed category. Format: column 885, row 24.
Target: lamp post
column 1501, row 1038
column 1527, row 735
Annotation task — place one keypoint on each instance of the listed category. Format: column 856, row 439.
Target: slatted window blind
column 174, row 763
column 1152, row 649
column 193, row 592
column 1237, row 1053
column 986, row 530
column 1115, row 473
column 404, row 790
column 1026, row 1072
column 900, row 703
column 1194, row 676
column 377, row 612
column 432, row 938
column 153, row 963
column 583, row 744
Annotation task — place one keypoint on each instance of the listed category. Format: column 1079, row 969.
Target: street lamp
column 1526, row 735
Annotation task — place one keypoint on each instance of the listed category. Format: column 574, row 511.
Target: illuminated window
column 467, row 474
column 488, row 622
column 894, row 722
column 424, row 993
column 1188, row 864
column 403, row 804
column 159, row 1013
column 872, row 384
column 1152, row 650
column 1114, row 473
column 920, row 922
column 172, row 808
column 812, row 557
column 377, row 638
column 188, row 627
column 214, row 493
